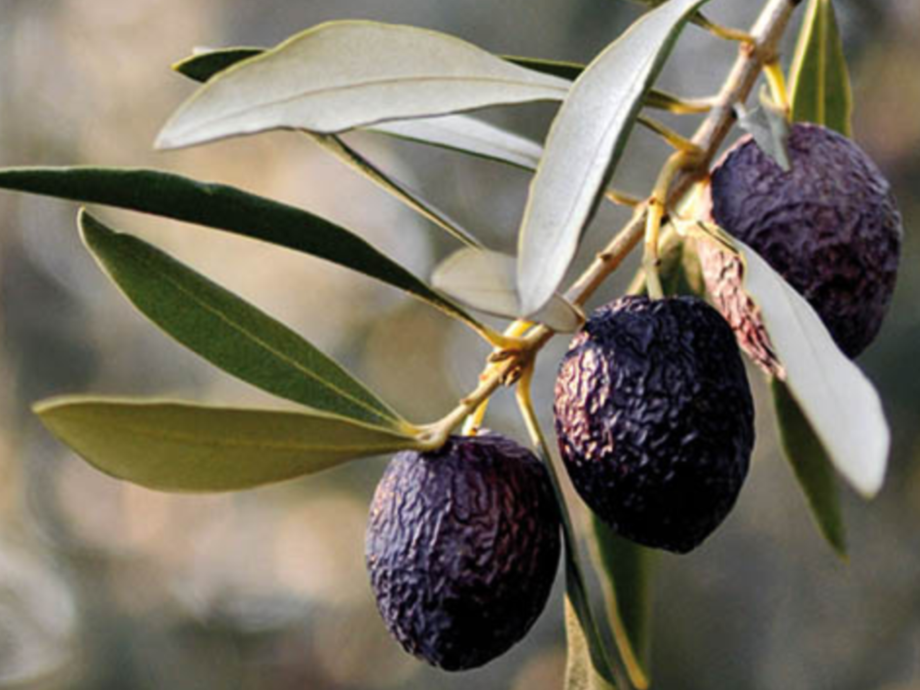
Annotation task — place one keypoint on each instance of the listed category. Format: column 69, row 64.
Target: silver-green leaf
column 485, row 280
column 173, row 446
column 347, row 74
column 585, row 143
column 836, row 398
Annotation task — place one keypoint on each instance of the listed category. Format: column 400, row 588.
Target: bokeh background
column 106, row 585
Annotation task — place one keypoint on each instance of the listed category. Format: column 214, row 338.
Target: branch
column 767, row 32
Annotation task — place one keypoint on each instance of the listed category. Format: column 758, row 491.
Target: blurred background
column 106, row 585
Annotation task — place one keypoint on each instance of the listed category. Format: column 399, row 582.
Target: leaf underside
column 585, row 143
column 181, row 447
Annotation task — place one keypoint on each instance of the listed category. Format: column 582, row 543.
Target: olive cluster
column 653, row 411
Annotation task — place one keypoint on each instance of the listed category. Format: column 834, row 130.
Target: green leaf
column 204, row 63
column 347, row 74
column 625, row 568
column 812, row 467
column 588, row 666
column 820, row 82
column 225, row 208
column 485, row 280
column 585, row 144
column 836, row 398
column 171, row 446
column 580, row 670
column 228, row 331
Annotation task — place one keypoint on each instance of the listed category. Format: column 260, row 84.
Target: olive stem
column 679, row 142
column 773, row 71
column 748, row 67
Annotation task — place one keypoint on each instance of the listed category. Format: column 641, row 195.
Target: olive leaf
column 399, row 190
column 819, row 80
column 769, row 125
column 587, row 666
column 812, row 467
column 581, row 673
column 585, row 143
column 175, row 446
column 347, row 74
column 226, row 208
column 229, row 332
column 626, row 581
column 836, row 398
column 485, row 280
column 460, row 133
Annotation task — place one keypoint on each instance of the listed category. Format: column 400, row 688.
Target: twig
column 767, row 32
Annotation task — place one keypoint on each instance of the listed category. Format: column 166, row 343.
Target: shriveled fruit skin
column 462, row 547
column 830, row 227
column 655, row 419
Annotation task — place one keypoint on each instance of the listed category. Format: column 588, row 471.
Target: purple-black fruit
column 830, row 227
column 655, row 419
column 462, row 548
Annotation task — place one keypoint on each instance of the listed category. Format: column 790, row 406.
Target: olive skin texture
column 830, row 227
column 462, row 547
column 655, row 420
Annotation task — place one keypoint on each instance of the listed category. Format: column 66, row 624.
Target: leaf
column 485, row 280
column 588, row 666
column 625, row 568
column 467, row 135
column 204, row 63
column 812, row 467
column 399, row 190
column 460, row 133
column 347, row 74
column 820, row 82
column 580, row 671
column 836, row 398
column 769, row 125
column 585, row 144
column 172, row 446
column 228, row 331
column 225, row 208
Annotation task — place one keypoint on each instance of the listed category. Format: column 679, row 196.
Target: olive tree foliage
column 401, row 81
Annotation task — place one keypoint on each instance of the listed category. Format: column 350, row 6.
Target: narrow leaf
column 460, row 133
column 229, row 332
column 820, row 82
column 467, row 135
column 347, row 74
column 769, row 125
column 225, row 208
column 399, row 190
column 585, row 144
column 171, row 446
column 485, row 280
column 625, row 568
column 812, row 467
column 204, row 63
column 836, row 398
column 580, row 671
